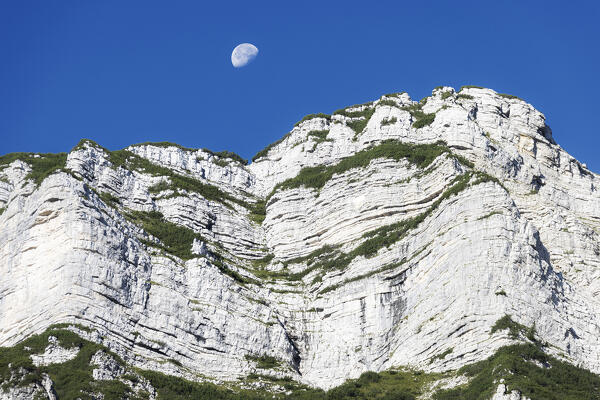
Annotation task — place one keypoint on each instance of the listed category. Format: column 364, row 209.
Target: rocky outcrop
column 503, row 394
column 54, row 354
column 351, row 265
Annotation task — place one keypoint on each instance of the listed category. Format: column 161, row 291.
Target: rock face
column 503, row 394
column 54, row 354
column 386, row 262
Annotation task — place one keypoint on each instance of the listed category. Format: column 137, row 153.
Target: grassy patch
column 387, row 235
column 263, row 262
column 263, row 361
column 109, row 199
column 515, row 330
column 175, row 239
column 360, row 119
column 258, row 211
column 319, row 136
column 42, row 165
column 316, row 177
column 389, row 121
column 174, row 388
column 227, row 154
column 387, row 102
column 421, row 118
column 133, row 162
column 354, row 114
column 489, row 215
column 509, row 96
column 462, row 96
column 72, row 379
column 423, row 121
column 400, row 384
column 218, row 262
column 447, row 94
column 312, row 116
column 220, row 154
column 442, row 355
column 266, row 150
column 516, row 364
column 159, row 144
column 394, row 94
column 470, row 87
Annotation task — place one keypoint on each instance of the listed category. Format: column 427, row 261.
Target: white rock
column 66, row 256
column 503, row 394
column 54, row 354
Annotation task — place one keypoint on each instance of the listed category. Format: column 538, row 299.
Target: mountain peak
column 395, row 235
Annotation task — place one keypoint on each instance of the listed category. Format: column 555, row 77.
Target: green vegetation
column 218, row 262
column 447, row 94
column 221, row 154
column 157, row 144
column 258, row 211
column 319, row 136
column 464, row 161
column 72, row 378
column 489, row 215
column 389, row 121
column 266, row 150
column 109, row 199
column 442, row 355
column 227, row 154
column 2, row 209
column 264, row 361
column 173, row 388
column 421, row 119
column 524, row 367
column 393, row 94
column 425, row 120
column 354, row 114
column 387, row 102
column 515, row 330
column 387, row 235
column 399, row 384
column 316, row 177
column 516, row 364
column 357, row 125
column 42, row 165
column 509, row 96
column 175, row 239
column 470, row 87
column 379, row 270
column 500, row 293
column 330, row 258
column 133, row 162
column 464, row 96
column 263, row 262
column 312, row 116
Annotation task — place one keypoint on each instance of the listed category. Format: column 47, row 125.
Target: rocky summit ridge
column 410, row 239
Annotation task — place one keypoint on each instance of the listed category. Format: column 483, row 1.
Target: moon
column 243, row 54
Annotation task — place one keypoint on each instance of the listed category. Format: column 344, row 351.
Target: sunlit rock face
column 503, row 221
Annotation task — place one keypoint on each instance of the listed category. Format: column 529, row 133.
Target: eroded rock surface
column 519, row 237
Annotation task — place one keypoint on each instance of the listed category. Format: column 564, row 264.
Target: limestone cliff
column 392, row 233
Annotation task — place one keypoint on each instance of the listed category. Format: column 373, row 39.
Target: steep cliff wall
column 384, row 235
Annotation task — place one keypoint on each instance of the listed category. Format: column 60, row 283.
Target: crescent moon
column 243, row 54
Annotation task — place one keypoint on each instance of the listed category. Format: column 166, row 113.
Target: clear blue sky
column 122, row 72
